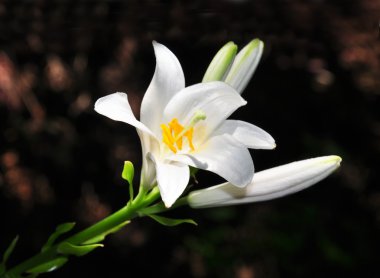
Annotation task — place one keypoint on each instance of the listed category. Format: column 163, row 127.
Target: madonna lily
column 269, row 184
column 186, row 126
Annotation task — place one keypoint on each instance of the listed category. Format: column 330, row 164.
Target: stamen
column 189, row 136
column 167, row 138
column 177, row 129
column 173, row 132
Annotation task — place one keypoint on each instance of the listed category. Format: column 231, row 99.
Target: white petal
column 172, row 179
column 269, row 184
column 216, row 99
column 148, row 170
column 116, row 107
column 245, row 65
column 250, row 135
column 168, row 79
column 224, row 156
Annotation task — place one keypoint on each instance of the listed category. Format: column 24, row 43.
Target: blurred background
column 316, row 91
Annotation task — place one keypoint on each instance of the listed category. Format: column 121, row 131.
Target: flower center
column 173, row 133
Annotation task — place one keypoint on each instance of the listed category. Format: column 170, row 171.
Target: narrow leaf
column 61, row 229
column 6, row 255
column 9, row 251
column 49, row 266
column 101, row 237
column 76, row 250
column 170, row 221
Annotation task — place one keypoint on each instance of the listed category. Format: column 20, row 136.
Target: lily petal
column 168, row 79
column 148, row 170
column 116, row 107
column 224, row 156
column 216, row 99
column 269, row 184
column 172, row 179
column 248, row 134
column 244, row 65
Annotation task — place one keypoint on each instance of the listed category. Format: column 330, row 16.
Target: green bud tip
column 128, row 172
column 221, row 63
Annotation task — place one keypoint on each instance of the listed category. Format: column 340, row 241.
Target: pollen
column 173, row 134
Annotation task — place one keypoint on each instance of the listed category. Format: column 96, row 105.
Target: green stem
column 160, row 207
column 130, row 211
column 115, row 219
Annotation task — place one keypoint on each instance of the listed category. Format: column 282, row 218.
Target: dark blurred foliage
column 317, row 91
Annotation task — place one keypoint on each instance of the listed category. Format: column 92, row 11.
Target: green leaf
column 7, row 253
column 170, row 221
column 101, row 237
column 61, row 229
column 76, row 250
column 9, row 250
column 49, row 265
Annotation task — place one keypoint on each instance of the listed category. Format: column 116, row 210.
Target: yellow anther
column 167, row 134
column 189, row 136
column 169, row 144
column 173, row 132
column 167, row 137
column 177, row 129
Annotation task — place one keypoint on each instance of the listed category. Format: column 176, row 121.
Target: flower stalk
column 99, row 230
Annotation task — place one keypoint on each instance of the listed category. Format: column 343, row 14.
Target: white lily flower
column 181, row 127
column 235, row 71
column 268, row 184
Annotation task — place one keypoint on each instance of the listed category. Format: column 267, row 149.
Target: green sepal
column 61, row 229
column 170, row 221
column 49, row 265
column 101, row 237
column 76, row 250
column 7, row 253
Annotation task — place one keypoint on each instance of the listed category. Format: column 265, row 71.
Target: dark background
column 316, row 91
